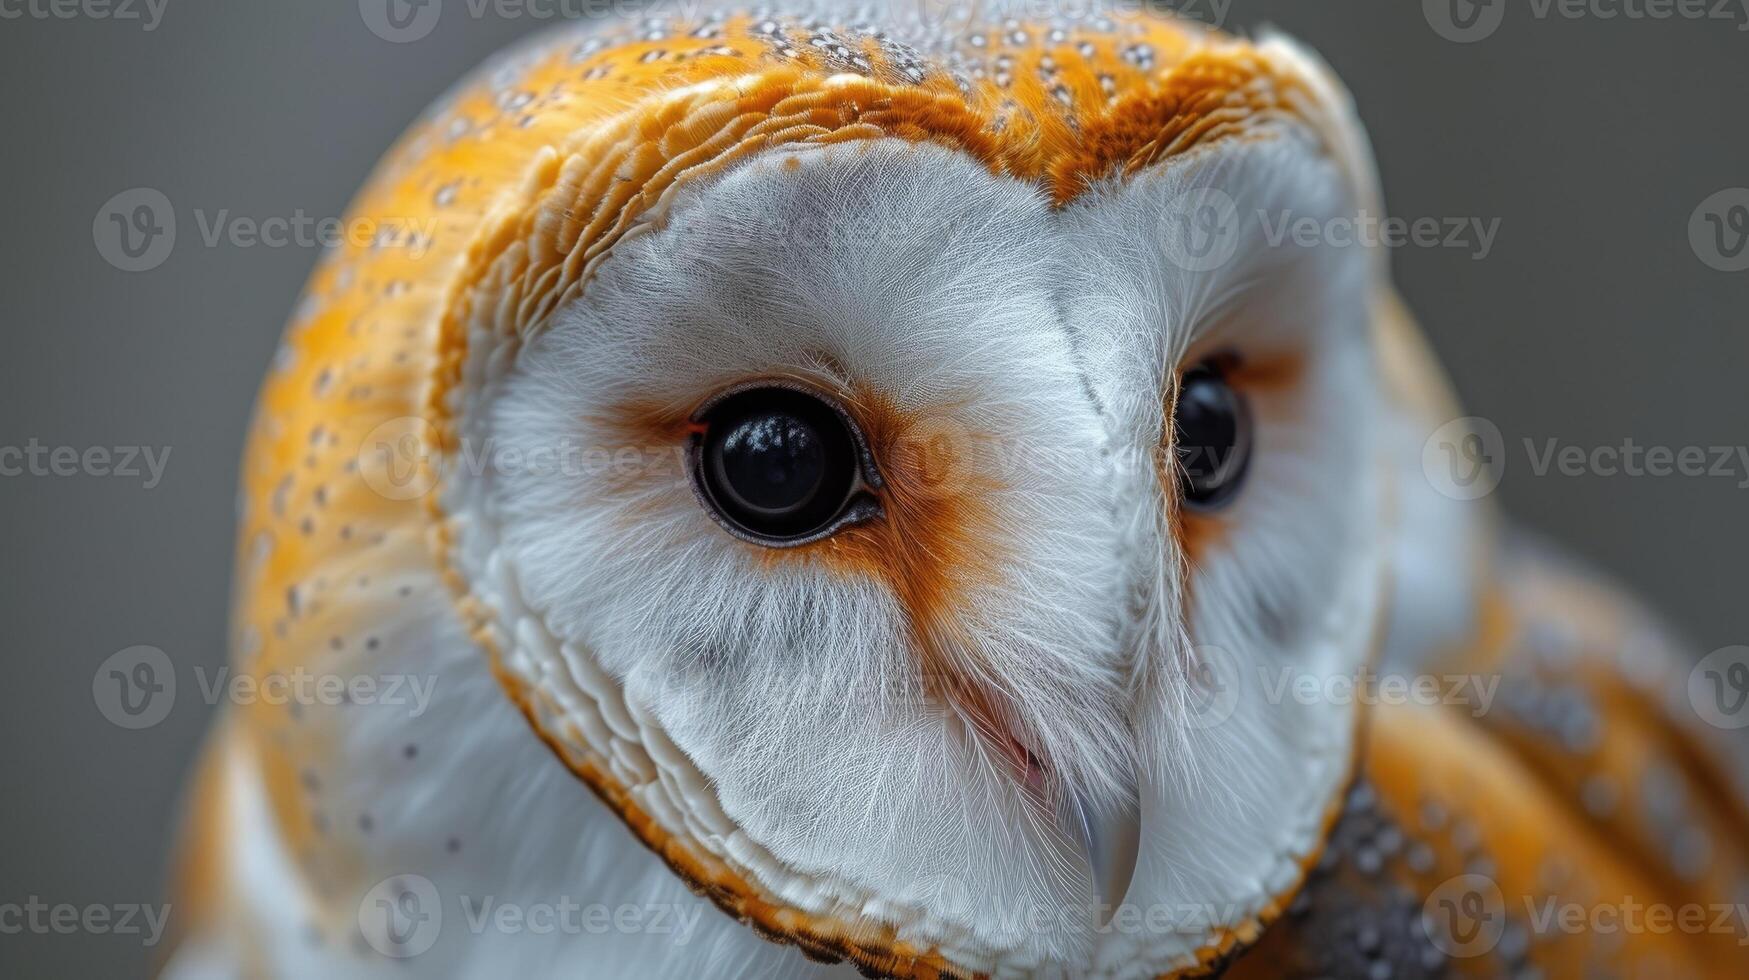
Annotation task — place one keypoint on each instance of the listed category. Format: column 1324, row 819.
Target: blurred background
column 1592, row 145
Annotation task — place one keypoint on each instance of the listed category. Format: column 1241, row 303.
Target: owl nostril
column 1033, row 771
column 990, row 724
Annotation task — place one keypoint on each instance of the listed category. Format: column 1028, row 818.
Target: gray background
column 1593, row 320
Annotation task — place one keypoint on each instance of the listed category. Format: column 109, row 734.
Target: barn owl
column 805, row 491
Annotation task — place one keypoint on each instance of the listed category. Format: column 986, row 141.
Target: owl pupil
column 770, row 463
column 1212, row 430
column 776, row 465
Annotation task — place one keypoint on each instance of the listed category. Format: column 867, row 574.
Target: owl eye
column 1213, row 429
column 779, row 466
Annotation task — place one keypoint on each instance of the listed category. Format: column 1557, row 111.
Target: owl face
column 934, row 529
column 939, row 549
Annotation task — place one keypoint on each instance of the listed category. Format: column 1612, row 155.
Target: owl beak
column 1110, row 843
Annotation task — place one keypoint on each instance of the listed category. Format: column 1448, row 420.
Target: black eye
column 1212, row 428
column 779, row 466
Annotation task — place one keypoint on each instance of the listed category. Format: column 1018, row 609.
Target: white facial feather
column 1048, row 343
column 795, row 688
column 1238, row 776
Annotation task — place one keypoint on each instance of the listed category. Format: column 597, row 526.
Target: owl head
column 923, row 471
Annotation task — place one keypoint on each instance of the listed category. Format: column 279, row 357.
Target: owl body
column 1037, row 691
